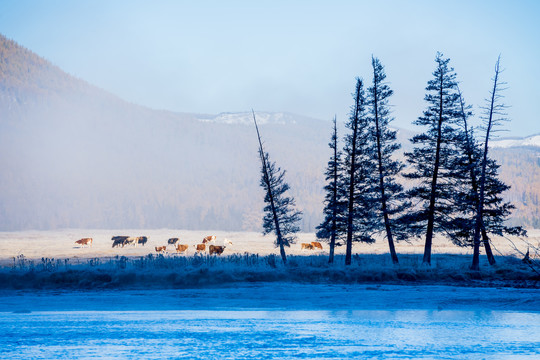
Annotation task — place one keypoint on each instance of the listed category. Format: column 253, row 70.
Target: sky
column 292, row 56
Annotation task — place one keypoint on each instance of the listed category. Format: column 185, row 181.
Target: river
column 267, row 321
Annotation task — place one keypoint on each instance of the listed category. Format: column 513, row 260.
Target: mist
column 75, row 156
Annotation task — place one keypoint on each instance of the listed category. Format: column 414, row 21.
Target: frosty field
column 61, row 244
column 52, row 260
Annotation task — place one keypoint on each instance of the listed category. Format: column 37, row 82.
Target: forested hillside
column 520, row 168
column 75, row 156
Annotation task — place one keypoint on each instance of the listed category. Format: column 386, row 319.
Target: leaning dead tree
column 490, row 207
column 472, row 150
column 280, row 217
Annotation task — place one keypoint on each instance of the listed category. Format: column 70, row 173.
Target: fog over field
column 75, row 156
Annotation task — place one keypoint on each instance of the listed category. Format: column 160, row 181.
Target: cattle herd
column 207, row 243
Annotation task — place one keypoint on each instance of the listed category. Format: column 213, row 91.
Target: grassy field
column 36, row 260
column 61, row 244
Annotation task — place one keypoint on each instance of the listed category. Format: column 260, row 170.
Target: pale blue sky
column 301, row 57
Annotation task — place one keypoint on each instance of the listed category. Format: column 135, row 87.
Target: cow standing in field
column 214, row 249
column 200, row 247
column 173, row 241
column 307, row 246
column 181, row 248
column 209, row 238
column 119, row 240
column 316, row 245
column 142, row 240
column 84, row 241
column 131, row 241
column 161, row 248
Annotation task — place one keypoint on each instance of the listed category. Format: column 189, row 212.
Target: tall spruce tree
column 489, row 186
column 433, row 158
column 334, row 226
column 359, row 181
column 280, row 214
column 389, row 193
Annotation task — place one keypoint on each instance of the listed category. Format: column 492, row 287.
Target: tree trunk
column 381, row 176
column 276, row 220
column 487, row 246
column 485, row 238
column 474, row 182
column 348, row 251
column 479, row 214
column 393, row 253
column 334, row 194
column 431, row 209
column 271, row 196
column 332, row 242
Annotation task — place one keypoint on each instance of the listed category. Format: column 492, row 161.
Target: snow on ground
column 60, row 244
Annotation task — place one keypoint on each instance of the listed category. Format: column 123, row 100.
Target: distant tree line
column 456, row 189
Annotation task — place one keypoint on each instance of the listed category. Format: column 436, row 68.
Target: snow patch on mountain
column 533, row 140
column 246, row 118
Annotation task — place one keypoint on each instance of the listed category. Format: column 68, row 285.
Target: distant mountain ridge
column 509, row 142
column 246, row 118
column 75, row 156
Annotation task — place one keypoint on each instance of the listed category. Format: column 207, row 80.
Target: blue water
column 30, row 331
column 270, row 334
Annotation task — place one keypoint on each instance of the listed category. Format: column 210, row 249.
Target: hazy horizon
column 210, row 57
column 73, row 156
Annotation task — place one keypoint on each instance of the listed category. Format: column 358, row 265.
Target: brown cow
column 209, row 238
column 173, row 241
column 84, row 241
column 316, row 245
column 200, row 247
column 307, row 246
column 181, row 248
column 214, row 249
column 161, row 248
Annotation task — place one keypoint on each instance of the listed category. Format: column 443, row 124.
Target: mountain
column 514, row 142
column 263, row 118
column 75, row 156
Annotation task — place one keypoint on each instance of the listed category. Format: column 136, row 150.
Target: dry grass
column 53, row 260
